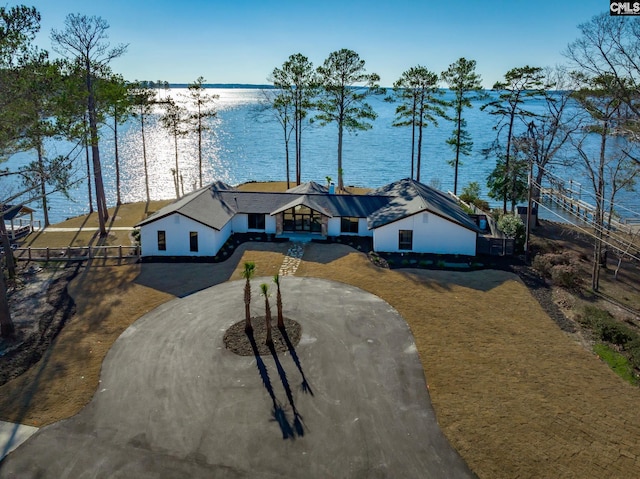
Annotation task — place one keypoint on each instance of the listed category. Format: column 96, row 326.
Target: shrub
column 632, row 348
column 467, row 210
column 471, row 195
column 511, row 225
column 542, row 265
column 470, row 192
column 545, row 263
column 606, row 328
column 565, row 275
column 481, row 204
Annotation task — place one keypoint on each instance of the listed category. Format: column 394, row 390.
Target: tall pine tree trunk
column 419, row 160
column 7, row 329
column 200, row 146
column 598, row 219
column 177, row 176
column 299, row 146
column 458, row 140
column 95, row 155
column 413, row 138
column 286, row 153
column 6, row 244
column 88, row 164
column 340, row 182
column 117, row 158
column 144, row 159
column 43, row 189
column 506, row 163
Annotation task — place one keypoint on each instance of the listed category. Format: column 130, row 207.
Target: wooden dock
column 582, row 210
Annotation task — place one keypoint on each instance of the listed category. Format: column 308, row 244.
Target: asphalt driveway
column 173, row 402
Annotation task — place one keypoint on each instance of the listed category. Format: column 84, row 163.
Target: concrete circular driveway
column 173, row 402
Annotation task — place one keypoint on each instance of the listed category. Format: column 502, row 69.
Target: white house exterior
column 182, row 237
column 429, row 234
column 405, row 216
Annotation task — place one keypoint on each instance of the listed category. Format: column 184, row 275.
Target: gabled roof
column 311, row 187
column 216, row 204
column 11, row 211
column 409, row 197
column 309, row 201
column 205, row 206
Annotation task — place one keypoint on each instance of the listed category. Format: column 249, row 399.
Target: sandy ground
column 514, row 394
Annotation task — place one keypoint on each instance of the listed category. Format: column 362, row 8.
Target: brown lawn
column 516, row 396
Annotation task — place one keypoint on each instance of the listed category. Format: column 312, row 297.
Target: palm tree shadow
column 297, row 418
column 278, row 413
column 306, row 387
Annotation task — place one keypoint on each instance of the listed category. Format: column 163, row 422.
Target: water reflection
column 244, row 144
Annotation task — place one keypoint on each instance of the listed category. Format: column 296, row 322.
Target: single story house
column 404, row 216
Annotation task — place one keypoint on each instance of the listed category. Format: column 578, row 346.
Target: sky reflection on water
column 245, row 143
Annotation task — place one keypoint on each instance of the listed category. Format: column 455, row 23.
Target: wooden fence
column 495, row 246
column 79, row 253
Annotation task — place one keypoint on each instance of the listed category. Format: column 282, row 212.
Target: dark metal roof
column 205, row 206
column 311, row 187
column 410, row 197
column 216, row 204
column 11, row 211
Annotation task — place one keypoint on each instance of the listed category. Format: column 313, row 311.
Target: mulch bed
column 540, row 290
column 26, row 348
column 237, row 341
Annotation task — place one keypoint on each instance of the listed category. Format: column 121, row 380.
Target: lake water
column 245, row 143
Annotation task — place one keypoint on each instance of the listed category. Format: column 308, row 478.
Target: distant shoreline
column 224, row 85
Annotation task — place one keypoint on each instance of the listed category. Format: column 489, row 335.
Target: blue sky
column 241, row 41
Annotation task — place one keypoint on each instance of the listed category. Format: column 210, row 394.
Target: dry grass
column 124, row 216
column 280, row 186
column 108, row 300
column 514, row 395
column 65, row 379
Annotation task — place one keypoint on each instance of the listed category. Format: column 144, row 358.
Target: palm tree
column 264, row 287
column 276, row 279
column 249, row 271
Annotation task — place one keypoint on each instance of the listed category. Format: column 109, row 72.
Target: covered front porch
column 301, row 221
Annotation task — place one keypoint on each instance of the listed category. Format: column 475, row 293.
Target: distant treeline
column 165, row 84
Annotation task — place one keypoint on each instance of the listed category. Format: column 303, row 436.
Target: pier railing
column 564, row 200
